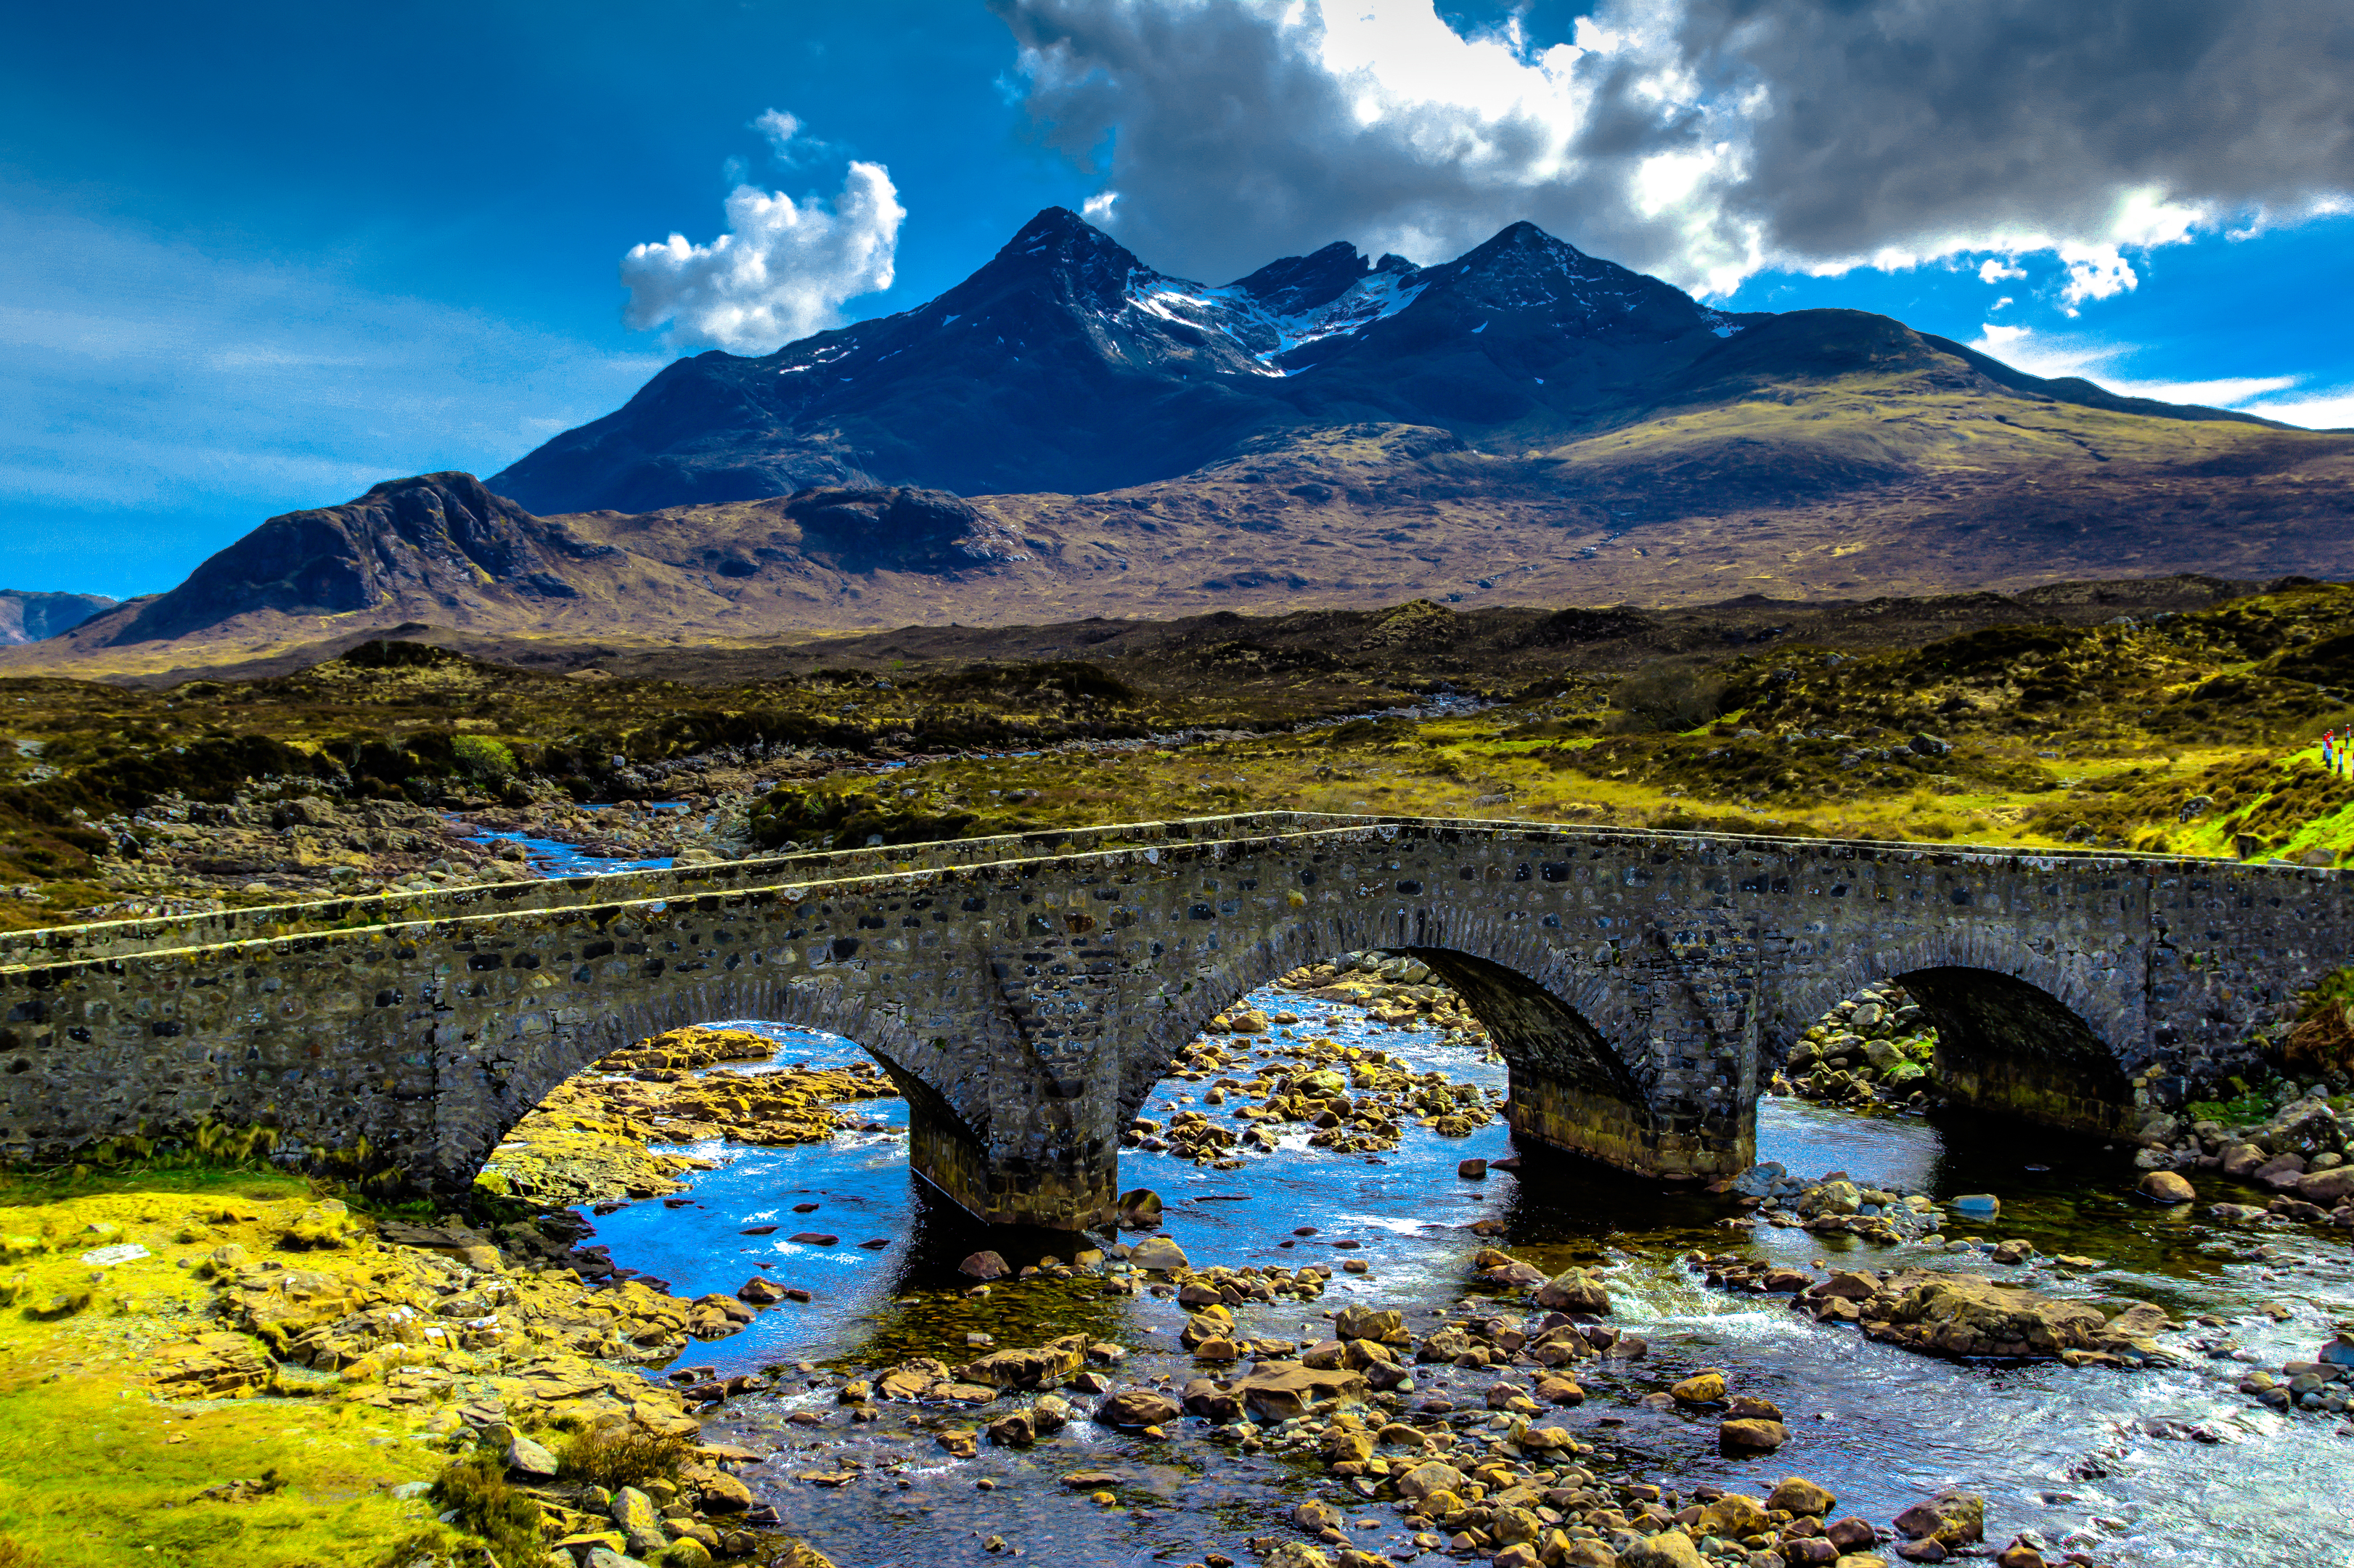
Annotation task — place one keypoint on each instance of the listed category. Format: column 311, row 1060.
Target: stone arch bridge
column 1027, row 993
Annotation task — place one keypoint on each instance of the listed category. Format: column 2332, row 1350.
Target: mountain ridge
column 1066, row 364
column 1313, row 441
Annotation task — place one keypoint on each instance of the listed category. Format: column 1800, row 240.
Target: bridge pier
column 1072, row 1189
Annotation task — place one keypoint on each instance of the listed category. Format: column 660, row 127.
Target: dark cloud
column 1698, row 139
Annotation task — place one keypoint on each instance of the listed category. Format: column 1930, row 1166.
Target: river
column 2093, row 1460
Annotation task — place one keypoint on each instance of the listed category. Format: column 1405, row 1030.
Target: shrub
column 485, row 759
column 614, row 1458
column 2322, row 1044
column 1668, row 694
column 475, row 1489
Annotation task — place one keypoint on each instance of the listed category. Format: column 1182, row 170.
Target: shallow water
column 2069, row 1453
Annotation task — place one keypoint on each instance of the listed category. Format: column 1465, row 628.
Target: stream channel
column 2154, row 1467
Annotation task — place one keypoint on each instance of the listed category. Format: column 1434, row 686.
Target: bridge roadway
column 1027, row 993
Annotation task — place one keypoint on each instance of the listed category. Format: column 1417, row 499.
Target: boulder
column 1137, row 1407
column 985, row 1265
column 1671, row 1549
column 1429, row 1478
column 1387, row 1325
column 1573, row 1290
column 1046, row 1366
column 759, row 1292
column 1158, row 1253
column 723, row 1493
column 1752, row 1436
column 2240, row 1160
column 2327, row 1188
column 1951, row 1519
column 1277, row 1391
column 1734, row 1516
column 2280, row 1173
column 1701, row 1388
column 1800, row 1496
column 2167, row 1187
column 1295, row 1554
column 640, row 1522
column 1503, row 1269
column 1015, row 1429
column 1139, row 1207
column 1472, row 1170
column 529, row 1459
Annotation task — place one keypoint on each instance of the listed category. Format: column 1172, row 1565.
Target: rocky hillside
column 29, row 617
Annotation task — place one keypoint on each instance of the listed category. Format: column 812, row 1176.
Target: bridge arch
column 502, row 1079
column 2020, row 1033
column 1584, row 1070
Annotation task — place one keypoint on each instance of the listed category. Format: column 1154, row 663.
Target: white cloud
column 2000, row 302
column 2022, row 348
column 1701, row 140
column 779, row 128
column 2330, row 412
column 2094, row 272
column 1098, row 208
column 781, row 272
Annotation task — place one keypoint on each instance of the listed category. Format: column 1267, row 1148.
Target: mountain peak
column 432, row 536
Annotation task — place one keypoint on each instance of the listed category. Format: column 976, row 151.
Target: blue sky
column 262, row 257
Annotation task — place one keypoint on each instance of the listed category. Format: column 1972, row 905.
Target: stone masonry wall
column 1642, row 986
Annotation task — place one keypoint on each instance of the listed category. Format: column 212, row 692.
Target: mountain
column 1066, row 364
column 1068, row 433
column 29, row 617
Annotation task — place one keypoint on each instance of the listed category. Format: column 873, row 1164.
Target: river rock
column 686, row 1551
column 1277, row 1391
column 1045, row 1366
column 1140, row 1207
column 2239, row 1160
column 723, row 1493
column 1800, row 1496
column 759, row 1292
column 1951, row 1518
column 1472, row 1170
column 1701, row 1388
column 1573, row 1290
column 1968, row 1315
column 1671, row 1549
column 1158, row 1253
column 1500, row 1268
column 1015, row 1429
column 1386, row 1325
column 1734, row 1516
column 1134, row 1407
column 985, row 1265
column 2280, row 1173
column 640, row 1522
column 2327, row 1188
column 1429, row 1478
column 1977, row 1206
column 1752, row 1436
column 1295, row 1554
column 2167, row 1187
